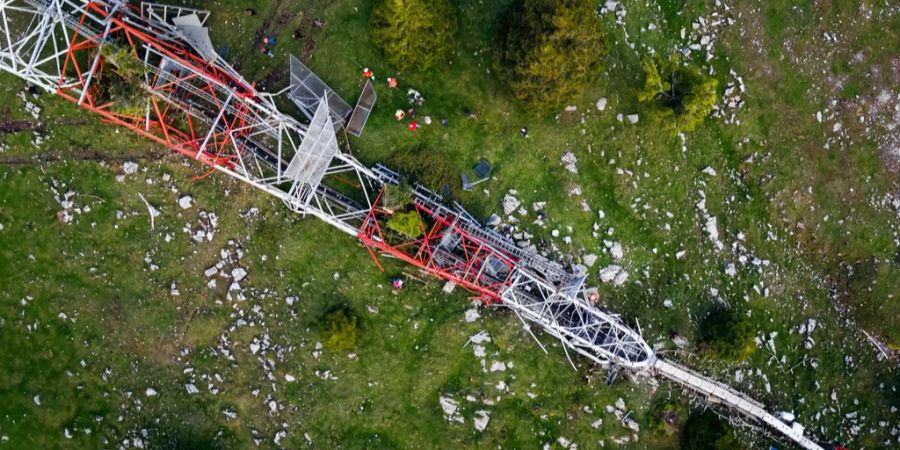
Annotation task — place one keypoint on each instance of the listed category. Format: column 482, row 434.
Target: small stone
column 289, row 378
column 472, row 315
column 571, row 108
column 191, row 389
column 481, row 419
column 150, row 392
column 601, row 104
column 238, row 274
column 129, row 167
column 633, row 118
column 590, row 260
column 185, row 202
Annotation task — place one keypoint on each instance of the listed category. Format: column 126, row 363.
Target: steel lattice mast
column 99, row 54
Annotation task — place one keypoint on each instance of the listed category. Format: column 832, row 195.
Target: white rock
column 510, row 204
column 667, row 303
column 472, row 315
column 498, row 366
column 254, row 347
column 150, row 392
column 289, row 378
column 633, row 118
column 238, row 273
column 730, row 270
column 680, row 254
column 571, row 108
column 129, row 167
column 590, row 260
column 601, row 104
column 481, row 419
column 191, row 389
column 185, row 202
column 709, row 171
column 37, row 400
column 616, row 251
column 621, row 278
column 450, row 407
column 609, row 273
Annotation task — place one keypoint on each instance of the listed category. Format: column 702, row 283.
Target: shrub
column 340, row 329
column 427, row 167
column 677, row 94
column 408, row 224
column 728, row 334
column 396, row 197
column 706, row 431
column 667, row 416
column 415, row 34
column 550, row 50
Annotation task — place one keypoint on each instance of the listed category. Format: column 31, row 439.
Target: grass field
column 106, row 322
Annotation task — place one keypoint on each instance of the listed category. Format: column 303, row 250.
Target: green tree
column 676, row 93
column 727, row 333
column 430, row 168
column 340, row 329
column 415, row 34
column 706, row 431
column 550, row 50
column 408, row 224
column 667, row 415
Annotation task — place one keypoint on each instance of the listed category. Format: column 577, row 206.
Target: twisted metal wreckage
column 187, row 98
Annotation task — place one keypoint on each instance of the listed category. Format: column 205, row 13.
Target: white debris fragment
column 254, row 347
column 709, row 171
column 713, row 232
column 289, row 378
column 191, row 389
column 481, row 419
column 185, row 201
column 37, row 400
column 129, row 167
column 472, row 315
column 590, row 259
column 498, row 366
column 150, row 392
column 680, row 254
column 633, row 118
column 601, row 104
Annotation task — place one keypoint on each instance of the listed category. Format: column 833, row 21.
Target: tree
column 667, row 415
column 340, row 329
column 706, row 431
column 415, row 34
column 550, row 50
column 408, row 224
column 727, row 333
column 427, row 167
column 676, row 93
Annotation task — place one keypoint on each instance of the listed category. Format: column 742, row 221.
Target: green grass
column 842, row 271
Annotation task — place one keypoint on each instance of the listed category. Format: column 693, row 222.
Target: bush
column 677, row 94
column 666, row 416
column 396, row 197
column 340, row 329
column 408, row 224
column 550, row 50
column 415, row 34
column 706, row 431
column 426, row 167
column 728, row 334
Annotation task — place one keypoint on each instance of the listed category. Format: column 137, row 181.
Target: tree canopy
column 676, row 93
column 727, row 333
column 408, row 224
column 550, row 50
column 415, row 34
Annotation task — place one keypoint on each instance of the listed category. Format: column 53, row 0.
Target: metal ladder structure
column 151, row 69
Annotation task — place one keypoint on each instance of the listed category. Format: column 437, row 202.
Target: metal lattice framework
column 151, row 69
